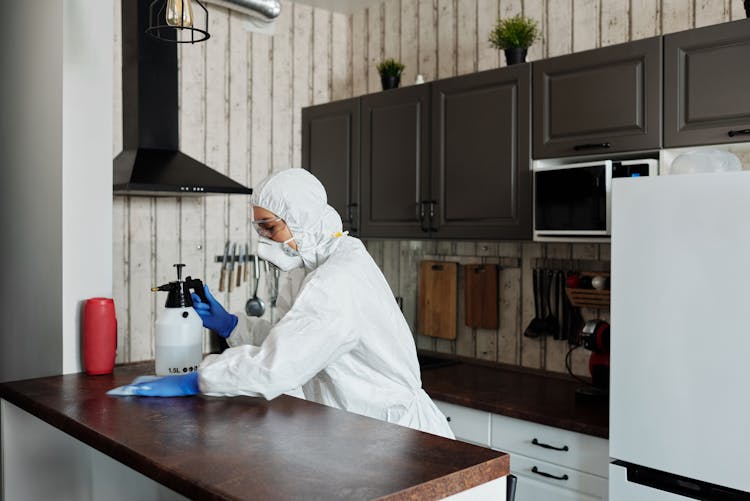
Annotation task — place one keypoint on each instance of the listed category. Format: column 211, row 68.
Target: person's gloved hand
column 170, row 386
column 213, row 314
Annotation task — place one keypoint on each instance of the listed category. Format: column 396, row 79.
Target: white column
column 88, row 34
column 55, row 178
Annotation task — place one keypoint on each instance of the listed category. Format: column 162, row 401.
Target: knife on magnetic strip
column 224, row 263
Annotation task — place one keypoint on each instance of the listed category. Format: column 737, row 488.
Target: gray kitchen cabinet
column 395, row 163
column 706, row 85
column 480, row 176
column 330, row 150
column 599, row 101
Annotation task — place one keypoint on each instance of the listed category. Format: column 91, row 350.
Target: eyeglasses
column 266, row 227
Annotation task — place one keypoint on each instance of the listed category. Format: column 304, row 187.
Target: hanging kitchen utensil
column 231, row 266
column 565, row 308
column 437, row 299
column 246, row 259
column 275, row 294
column 556, row 310
column 224, row 264
column 553, row 324
column 238, row 262
column 255, row 306
column 538, row 324
column 546, row 287
column 238, row 282
column 481, row 296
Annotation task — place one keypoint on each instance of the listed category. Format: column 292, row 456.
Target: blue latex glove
column 171, row 386
column 213, row 314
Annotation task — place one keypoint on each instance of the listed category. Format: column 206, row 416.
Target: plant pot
column 515, row 55
column 390, row 82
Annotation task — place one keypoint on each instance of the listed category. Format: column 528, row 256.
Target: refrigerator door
column 621, row 489
column 680, row 332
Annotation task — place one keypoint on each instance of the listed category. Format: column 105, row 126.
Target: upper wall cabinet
column 480, row 177
column 449, row 159
column 598, row 101
column 707, row 85
column 395, row 162
column 330, row 150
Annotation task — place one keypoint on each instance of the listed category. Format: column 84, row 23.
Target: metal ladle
column 255, row 306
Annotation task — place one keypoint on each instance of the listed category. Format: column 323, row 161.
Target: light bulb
column 179, row 13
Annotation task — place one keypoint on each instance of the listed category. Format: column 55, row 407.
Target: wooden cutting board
column 438, row 299
column 480, row 295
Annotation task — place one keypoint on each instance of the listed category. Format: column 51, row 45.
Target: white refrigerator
column 680, row 349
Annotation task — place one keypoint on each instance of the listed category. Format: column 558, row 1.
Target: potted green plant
column 514, row 35
column 390, row 73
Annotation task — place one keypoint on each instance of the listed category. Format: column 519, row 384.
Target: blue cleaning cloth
column 129, row 389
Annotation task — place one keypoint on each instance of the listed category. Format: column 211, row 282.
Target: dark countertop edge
column 108, row 447
column 456, row 482
column 447, row 485
column 569, row 424
column 566, row 423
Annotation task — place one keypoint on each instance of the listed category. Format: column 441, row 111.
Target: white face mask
column 280, row 254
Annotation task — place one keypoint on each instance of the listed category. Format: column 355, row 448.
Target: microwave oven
column 574, row 200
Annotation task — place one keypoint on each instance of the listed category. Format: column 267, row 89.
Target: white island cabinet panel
column 41, row 462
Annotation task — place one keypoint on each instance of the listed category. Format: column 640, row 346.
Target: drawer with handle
column 577, row 484
column 469, row 425
column 554, row 445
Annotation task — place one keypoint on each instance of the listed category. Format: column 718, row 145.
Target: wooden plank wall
column 442, row 38
column 240, row 99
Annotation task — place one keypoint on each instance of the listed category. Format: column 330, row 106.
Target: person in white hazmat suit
column 342, row 340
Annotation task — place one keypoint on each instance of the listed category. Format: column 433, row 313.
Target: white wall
column 55, row 178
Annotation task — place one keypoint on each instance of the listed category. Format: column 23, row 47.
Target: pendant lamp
column 174, row 21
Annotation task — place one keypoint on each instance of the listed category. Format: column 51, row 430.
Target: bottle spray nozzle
column 179, row 291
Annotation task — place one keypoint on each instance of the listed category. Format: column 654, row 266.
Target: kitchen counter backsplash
column 399, row 260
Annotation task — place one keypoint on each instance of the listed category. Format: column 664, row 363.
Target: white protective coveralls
column 343, row 340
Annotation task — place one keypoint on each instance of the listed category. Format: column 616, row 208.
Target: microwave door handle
column 592, row 146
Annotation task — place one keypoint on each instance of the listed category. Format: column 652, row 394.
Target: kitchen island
column 221, row 448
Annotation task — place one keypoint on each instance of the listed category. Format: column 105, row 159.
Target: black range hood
column 150, row 163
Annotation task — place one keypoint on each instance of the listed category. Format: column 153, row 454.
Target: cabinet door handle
column 433, row 205
column 548, row 475
column 741, row 132
column 350, row 212
column 547, row 446
column 351, row 208
column 421, row 216
column 591, row 146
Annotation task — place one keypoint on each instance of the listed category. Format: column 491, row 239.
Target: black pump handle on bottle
column 196, row 285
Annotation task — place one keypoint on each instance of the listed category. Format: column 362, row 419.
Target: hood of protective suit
column 297, row 197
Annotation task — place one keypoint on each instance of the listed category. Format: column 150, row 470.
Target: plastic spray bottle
column 179, row 329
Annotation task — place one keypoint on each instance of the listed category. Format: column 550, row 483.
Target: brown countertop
column 242, row 447
column 517, row 393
